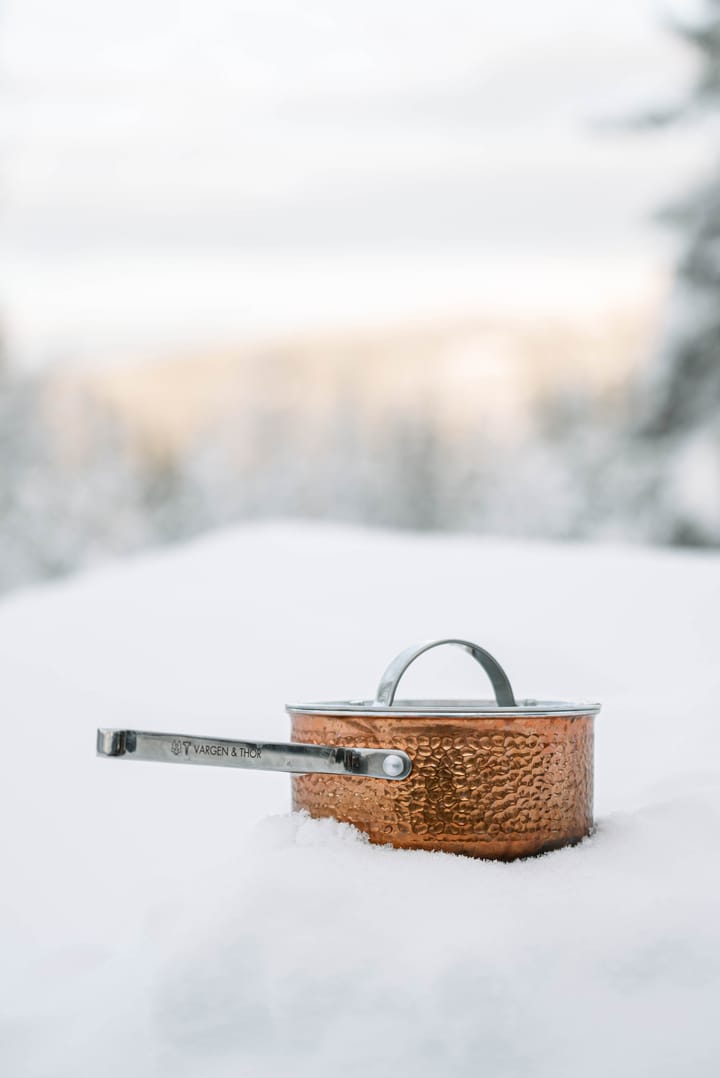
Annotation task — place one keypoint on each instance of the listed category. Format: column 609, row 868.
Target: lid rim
column 445, row 708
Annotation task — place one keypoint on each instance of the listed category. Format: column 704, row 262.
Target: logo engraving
column 182, row 746
column 251, row 752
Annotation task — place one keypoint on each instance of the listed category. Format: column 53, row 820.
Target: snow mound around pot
column 177, row 921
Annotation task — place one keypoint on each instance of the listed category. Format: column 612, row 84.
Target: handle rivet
column 393, row 765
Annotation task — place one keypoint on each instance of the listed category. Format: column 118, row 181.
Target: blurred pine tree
column 685, row 390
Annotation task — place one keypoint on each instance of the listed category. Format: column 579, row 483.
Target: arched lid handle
column 390, row 679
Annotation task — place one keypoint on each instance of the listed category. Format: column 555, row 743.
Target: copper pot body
column 497, row 786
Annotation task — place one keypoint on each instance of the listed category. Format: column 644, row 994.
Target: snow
column 175, row 921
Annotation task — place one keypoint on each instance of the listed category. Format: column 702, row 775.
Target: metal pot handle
column 390, row 679
column 294, row 757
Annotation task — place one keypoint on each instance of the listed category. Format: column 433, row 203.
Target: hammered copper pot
column 498, row 779
column 495, row 778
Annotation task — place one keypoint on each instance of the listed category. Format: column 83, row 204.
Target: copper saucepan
column 496, row 779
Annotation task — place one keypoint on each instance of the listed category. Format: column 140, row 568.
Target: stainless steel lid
column 503, row 704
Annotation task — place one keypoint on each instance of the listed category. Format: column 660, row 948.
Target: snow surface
column 175, row 921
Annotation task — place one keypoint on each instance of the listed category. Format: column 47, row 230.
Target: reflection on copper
column 493, row 787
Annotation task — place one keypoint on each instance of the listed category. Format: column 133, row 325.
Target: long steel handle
column 500, row 681
column 255, row 755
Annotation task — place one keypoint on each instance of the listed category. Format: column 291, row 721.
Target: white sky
column 185, row 171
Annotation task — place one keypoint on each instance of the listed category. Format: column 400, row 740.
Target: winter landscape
column 326, row 329
column 376, row 266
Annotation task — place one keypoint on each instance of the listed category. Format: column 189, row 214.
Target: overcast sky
column 161, row 155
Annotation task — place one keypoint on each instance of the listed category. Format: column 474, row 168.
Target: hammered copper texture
column 485, row 787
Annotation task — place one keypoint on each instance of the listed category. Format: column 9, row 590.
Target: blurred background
column 445, row 265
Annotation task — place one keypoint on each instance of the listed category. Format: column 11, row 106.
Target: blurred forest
column 540, row 431
column 524, row 430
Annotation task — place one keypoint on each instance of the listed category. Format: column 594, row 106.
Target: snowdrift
column 177, row 921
